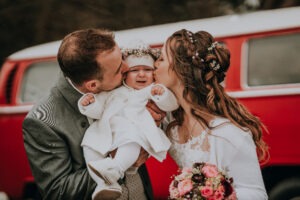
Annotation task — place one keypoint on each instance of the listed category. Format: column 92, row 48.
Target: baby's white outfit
column 122, row 117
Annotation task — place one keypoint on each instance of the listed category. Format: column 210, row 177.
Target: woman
column 209, row 126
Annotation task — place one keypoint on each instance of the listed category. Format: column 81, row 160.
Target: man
column 91, row 61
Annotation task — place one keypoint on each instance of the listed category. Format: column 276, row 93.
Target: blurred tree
column 25, row 23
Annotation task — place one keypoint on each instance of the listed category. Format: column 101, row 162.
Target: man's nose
column 125, row 67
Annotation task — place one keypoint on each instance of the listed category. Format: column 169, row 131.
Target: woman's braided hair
column 201, row 65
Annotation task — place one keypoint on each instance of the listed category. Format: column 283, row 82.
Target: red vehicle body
column 264, row 76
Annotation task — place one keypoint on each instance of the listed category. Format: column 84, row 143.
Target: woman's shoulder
column 225, row 130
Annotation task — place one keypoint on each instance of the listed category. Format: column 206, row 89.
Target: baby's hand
column 87, row 99
column 157, row 90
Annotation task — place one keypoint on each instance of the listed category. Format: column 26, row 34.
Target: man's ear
column 92, row 85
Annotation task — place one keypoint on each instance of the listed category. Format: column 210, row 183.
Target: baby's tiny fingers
column 84, row 102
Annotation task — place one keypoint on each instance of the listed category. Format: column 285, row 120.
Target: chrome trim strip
column 244, row 63
column 265, row 93
column 15, row 109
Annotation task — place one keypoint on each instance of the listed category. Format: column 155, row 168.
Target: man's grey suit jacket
column 53, row 131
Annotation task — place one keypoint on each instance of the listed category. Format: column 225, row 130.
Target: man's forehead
column 107, row 52
column 110, row 61
column 109, row 55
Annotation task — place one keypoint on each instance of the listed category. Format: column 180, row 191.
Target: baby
column 124, row 123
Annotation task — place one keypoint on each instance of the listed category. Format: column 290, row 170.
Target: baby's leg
column 91, row 155
column 102, row 191
column 112, row 169
column 127, row 155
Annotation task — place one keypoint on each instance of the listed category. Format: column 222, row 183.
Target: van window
column 38, row 80
column 274, row 60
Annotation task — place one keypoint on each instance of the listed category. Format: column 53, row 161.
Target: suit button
column 83, row 124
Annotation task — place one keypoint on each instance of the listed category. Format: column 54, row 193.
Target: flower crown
column 139, row 52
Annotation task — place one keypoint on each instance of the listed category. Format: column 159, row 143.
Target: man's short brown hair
column 78, row 52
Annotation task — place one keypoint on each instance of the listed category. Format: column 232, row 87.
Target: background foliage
column 25, row 23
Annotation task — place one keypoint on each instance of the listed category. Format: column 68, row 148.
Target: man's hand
column 143, row 156
column 157, row 114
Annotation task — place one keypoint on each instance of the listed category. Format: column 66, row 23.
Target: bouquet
column 200, row 182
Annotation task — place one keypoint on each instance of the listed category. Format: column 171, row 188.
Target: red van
column 264, row 76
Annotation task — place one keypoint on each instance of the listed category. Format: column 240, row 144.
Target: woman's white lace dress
column 230, row 149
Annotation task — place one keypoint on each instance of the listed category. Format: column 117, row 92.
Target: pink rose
column 211, row 198
column 206, row 191
column 184, row 186
column 210, row 170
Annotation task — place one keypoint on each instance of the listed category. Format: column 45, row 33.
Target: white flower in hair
column 213, row 46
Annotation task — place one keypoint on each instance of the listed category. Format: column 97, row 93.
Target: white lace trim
column 194, row 150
